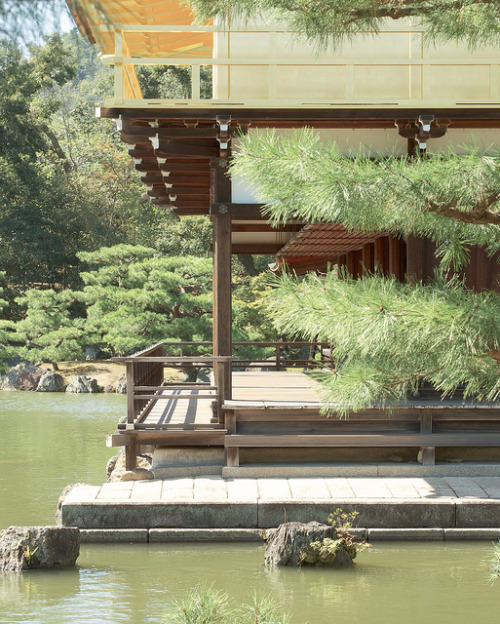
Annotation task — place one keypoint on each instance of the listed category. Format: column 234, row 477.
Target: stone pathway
column 217, row 489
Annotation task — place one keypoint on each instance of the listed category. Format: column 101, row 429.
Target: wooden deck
column 275, row 416
column 263, row 388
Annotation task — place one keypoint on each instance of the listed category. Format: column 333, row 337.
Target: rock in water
column 296, row 544
column 33, row 548
column 81, row 384
column 23, row 377
column 121, row 384
column 51, row 382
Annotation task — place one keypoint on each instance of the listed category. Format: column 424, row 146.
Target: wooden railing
column 145, row 373
column 284, row 355
column 146, row 385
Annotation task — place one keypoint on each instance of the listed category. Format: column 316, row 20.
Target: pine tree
column 331, row 22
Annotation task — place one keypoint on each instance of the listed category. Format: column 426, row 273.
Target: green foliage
column 191, row 236
column 49, row 329
column 322, row 552
column 135, row 298
column 172, row 81
column 390, row 337
column 495, row 562
column 332, row 22
column 205, row 605
column 342, row 520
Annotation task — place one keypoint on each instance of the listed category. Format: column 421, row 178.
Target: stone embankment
column 32, row 378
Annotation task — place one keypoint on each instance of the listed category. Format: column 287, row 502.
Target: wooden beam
column 266, row 227
column 256, row 248
column 241, row 212
column 486, row 117
column 172, row 148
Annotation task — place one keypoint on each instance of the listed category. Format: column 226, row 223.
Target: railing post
column 130, row 395
column 221, row 388
column 278, row 356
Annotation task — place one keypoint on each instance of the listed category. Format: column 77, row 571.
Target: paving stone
column 370, row 488
column 309, row 488
column 277, row 489
column 465, row 487
column 147, row 491
column 83, row 493
column 432, row 487
column 242, row 490
column 402, row 488
column 491, row 485
column 210, row 489
column 178, row 490
column 339, row 488
column 116, row 491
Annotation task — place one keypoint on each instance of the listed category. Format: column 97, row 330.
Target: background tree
column 50, row 328
column 135, row 297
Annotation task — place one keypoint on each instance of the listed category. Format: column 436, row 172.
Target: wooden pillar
column 222, row 303
column 427, row 453
column 397, row 258
column 367, row 258
column 381, row 255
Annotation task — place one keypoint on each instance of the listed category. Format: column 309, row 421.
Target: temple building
column 389, row 93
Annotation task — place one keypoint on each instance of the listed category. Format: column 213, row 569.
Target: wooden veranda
column 271, row 409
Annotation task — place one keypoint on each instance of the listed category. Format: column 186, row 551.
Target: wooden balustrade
column 146, row 384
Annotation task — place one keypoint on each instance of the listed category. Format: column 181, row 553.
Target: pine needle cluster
column 389, row 338
column 332, row 22
column 206, row 605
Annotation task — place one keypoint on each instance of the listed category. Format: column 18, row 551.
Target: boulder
column 299, row 544
column 139, row 474
column 121, row 384
column 116, row 471
column 33, row 548
column 81, row 384
column 51, row 382
column 23, row 377
column 108, row 389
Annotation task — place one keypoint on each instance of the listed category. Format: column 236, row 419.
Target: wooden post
column 222, row 314
column 414, row 259
column 367, row 253
column 131, row 455
column 130, row 393
column 381, row 255
column 396, row 257
column 428, row 452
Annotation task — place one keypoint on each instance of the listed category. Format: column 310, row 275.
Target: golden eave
column 98, row 19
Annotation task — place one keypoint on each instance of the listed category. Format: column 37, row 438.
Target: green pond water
column 48, row 441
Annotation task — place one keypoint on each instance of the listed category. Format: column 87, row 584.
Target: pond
column 48, row 441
